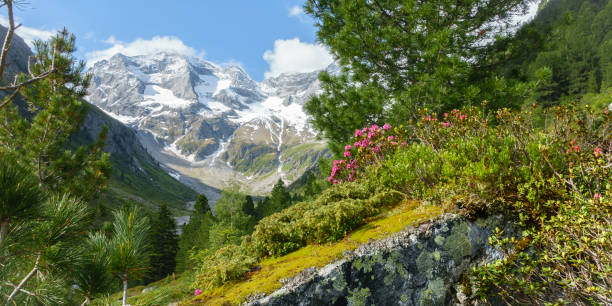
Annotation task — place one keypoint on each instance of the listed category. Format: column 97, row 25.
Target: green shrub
column 226, row 264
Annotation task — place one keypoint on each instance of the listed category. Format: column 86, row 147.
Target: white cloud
column 28, row 34
column 292, row 55
column 295, row 11
column 142, row 47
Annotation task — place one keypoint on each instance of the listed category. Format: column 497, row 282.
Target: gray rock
column 419, row 266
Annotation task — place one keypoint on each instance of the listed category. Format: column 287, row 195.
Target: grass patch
column 273, row 269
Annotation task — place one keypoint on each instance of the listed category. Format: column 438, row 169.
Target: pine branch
column 15, row 87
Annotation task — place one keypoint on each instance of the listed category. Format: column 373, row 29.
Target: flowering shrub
column 371, row 146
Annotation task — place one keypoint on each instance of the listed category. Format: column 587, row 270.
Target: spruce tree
column 195, row 234
column 164, row 244
column 201, row 205
column 279, row 199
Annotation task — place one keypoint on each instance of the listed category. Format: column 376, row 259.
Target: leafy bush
column 338, row 211
column 567, row 260
column 226, row 264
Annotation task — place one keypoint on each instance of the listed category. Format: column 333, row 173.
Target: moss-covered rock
column 419, row 266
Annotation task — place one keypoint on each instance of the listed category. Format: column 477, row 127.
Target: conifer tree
column 397, row 56
column 164, row 244
column 249, row 206
column 195, row 234
column 279, row 199
column 43, row 226
column 128, row 249
column 201, row 205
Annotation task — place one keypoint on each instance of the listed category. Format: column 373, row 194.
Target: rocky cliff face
column 211, row 123
column 133, row 166
column 420, row 266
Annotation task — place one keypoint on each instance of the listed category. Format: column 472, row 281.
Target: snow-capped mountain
column 212, row 123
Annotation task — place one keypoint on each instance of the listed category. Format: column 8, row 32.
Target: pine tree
column 164, row 244
column 279, row 199
column 397, row 56
column 43, row 227
column 128, row 249
column 40, row 141
column 201, row 205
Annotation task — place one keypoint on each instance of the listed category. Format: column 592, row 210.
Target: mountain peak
column 213, row 123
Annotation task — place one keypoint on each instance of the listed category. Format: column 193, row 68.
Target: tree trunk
column 24, row 280
column 85, row 302
column 4, row 226
column 125, row 287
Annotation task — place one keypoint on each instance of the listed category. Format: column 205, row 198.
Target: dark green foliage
column 164, row 245
column 232, row 222
column 195, row 237
column 278, row 200
column 402, row 56
column 332, row 216
column 249, row 206
column 57, row 111
column 48, row 221
column 566, row 49
column 201, row 205
column 19, row 195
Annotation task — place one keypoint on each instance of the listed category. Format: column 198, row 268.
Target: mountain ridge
column 211, row 123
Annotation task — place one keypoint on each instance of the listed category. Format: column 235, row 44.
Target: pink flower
column 386, row 127
column 376, row 149
column 606, row 112
column 573, row 142
column 597, row 196
column 197, row 292
column 576, row 148
column 357, row 144
column 463, row 117
column 445, row 115
column 391, row 138
column 329, row 179
column 358, row 133
column 445, row 124
column 347, row 154
column 568, row 151
column 371, row 134
column 393, row 143
column 347, row 147
column 428, row 118
column 374, row 127
column 597, row 151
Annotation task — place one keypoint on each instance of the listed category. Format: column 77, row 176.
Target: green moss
column 425, row 262
column 439, row 240
column 434, row 294
column 359, row 297
column 273, row 269
column 458, row 244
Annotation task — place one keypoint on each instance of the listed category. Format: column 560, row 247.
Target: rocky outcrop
column 420, row 266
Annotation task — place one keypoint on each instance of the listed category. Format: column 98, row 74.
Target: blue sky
column 222, row 31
